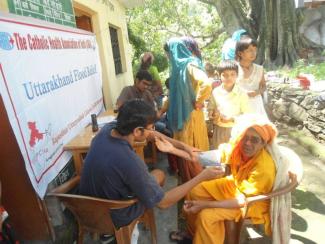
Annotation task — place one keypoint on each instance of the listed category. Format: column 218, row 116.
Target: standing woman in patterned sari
column 189, row 87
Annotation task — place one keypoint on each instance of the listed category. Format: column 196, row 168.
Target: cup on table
column 225, row 168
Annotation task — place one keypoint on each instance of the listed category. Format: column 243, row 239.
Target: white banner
column 50, row 82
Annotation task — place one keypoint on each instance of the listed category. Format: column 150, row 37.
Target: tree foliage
column 139, row 47
column 137, row 42
column 274, row 24
column 151, row 25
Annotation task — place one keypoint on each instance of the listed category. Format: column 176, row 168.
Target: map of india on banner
column 50, row 82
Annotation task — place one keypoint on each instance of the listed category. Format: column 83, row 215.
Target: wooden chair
column 151, row 149
column 93, row 214
column 234, row 229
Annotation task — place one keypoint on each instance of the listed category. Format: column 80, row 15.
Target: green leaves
column 158, row 20
column 306, row 67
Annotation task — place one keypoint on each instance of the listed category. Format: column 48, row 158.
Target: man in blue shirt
column 112, row 170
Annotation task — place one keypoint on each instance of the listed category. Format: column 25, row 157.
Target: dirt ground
column 308, row 209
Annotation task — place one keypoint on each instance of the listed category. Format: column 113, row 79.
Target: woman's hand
column 194, row 206
column 211, row 114
column 152, row 136
column 292, row 176
column 214, row 114
column 211, row 173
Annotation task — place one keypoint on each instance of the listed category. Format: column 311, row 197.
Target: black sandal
column 180, row 236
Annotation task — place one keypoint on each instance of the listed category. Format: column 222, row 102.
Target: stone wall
column 297, row 107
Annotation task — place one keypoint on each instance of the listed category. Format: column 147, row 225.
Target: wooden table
column 80, row 144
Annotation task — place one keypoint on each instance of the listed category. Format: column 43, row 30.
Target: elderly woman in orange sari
column 251, row 154
column 253, row 172
column 258, row 166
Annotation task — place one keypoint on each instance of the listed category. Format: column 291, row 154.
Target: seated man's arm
column 123, row 97
column 159, row 176
column 146, row 188
column 174, row 195
column 165, row 146
column 143, row 185
column 192, row 151
column 119, row 103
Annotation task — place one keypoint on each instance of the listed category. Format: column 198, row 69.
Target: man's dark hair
column 143, row 75
column 227, row 65
column 134, row 113
column 243, row 44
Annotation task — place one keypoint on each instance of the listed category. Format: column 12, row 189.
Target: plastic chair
column 93, row 214
column 234, row 229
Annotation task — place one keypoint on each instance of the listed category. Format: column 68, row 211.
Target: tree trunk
column 274, row 24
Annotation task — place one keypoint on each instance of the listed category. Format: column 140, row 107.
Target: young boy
column 226, row 103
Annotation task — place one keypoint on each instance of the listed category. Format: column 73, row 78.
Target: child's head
column 210, row 70
column 228, row 72
column 246, row 49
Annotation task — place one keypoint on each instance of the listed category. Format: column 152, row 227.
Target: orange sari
column 253, row 177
